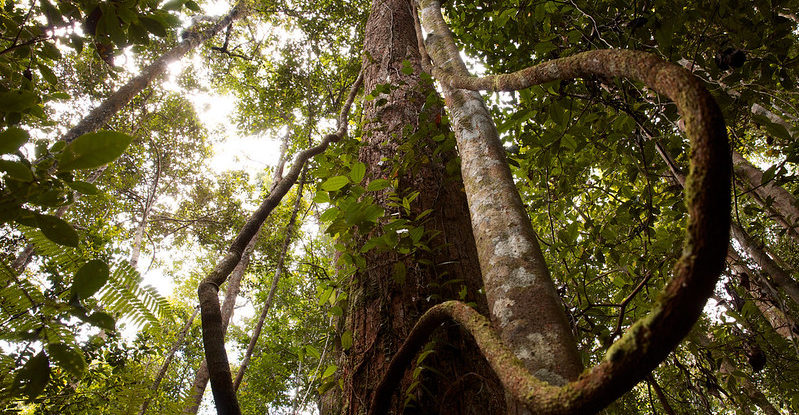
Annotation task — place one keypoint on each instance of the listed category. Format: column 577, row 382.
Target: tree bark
column 768, row 262
column 382, row 311
column 522, row 299
column 147, row 208
column 765, row 297
column 234, row 284
column 780, row 276
column 771, row 196
column 661, row 396
column 167, row 361
column 749, row 389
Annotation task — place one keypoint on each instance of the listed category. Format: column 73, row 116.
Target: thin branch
column 213, row 335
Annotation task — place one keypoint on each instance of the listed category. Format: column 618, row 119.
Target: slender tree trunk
column 661, row 396
column 781, row 278
column 381, row 309
column 765, row 297
column 749, row 389
column 192, row 37
column 234, row 285
column 167, row 361
column 275, row 279
column 769, row 262
column 148, row 206
column 522, row 299
column 771, row 196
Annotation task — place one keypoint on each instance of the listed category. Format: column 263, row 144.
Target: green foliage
column 93, row 150
column 47, row 317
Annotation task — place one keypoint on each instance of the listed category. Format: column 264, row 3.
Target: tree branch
column 212, row 327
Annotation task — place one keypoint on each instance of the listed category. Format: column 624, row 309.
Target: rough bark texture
column 381, row 311
column 661, row 396
column 764, row 295
column 522, row 299
column 707, row 189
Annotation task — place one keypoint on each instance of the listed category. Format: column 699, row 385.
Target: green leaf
column 346, row 340
column 334, row 183
column 191, row 5
column 17, row 170
column 47, row 74
column 16, row 101
column 68, row 358
column 153, row 26
column 57, row 230
column 85, row 188
column 329, row 214
column 312, row 351
column 378, row 184
column 172, row 5
column 50, row 51
column 324, row 296
column 102, row 320
column 329, row 371
column 321, row 197
column 406, row 67
column 90, row 278
column 33, row 377
column 93, row 150
column 12, row 139
column 357, row 172
column 768, row 175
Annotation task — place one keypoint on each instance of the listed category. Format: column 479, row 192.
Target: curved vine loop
column 707, row 195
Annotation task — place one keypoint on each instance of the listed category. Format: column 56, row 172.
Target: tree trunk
column 661, row 396
column 234, row 284
column 749, row 389
column 167, row 361
column 765, row 297
column 192, row 37
column 778, row 274
column 275, row 279
column 768, row 262
column 776, row 199
column 382, row 310
column 147, row 208
column 522, row 299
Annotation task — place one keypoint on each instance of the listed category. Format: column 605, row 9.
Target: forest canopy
column 307, row 207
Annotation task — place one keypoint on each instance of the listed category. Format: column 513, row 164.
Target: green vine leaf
column 102, row 320
column 33, row 377
column 68, row 358
column 16, row 170
column 57, row 230
column 378, row 184
column 93, row 150
column 90, row 278
column 85, row 188
column 358, row 171
column 12, row 139
column 335, row 183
